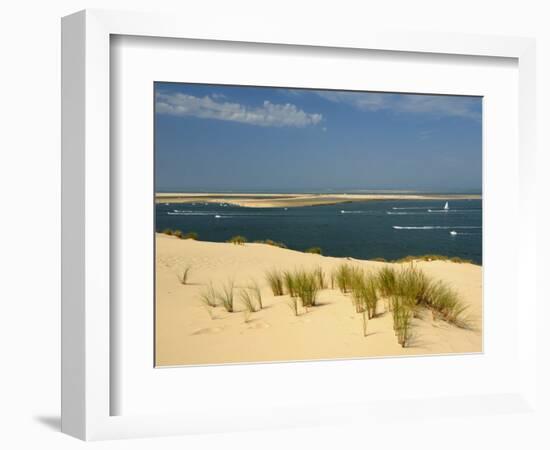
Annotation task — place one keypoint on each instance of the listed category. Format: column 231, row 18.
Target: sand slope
column 185, row 333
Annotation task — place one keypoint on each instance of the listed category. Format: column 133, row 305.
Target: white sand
column 187, row 335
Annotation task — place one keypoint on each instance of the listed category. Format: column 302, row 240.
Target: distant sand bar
column 296, row 200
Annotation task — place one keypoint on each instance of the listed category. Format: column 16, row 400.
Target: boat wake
column 434, row 227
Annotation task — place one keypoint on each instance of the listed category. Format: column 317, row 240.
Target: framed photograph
column 250, row 219
column 304, row 224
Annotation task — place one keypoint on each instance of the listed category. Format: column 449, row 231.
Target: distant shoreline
column 251, row 200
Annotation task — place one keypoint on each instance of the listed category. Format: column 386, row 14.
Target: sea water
column 363, row 230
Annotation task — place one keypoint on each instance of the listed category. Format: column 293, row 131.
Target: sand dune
column 295, row 200
column 186, row 334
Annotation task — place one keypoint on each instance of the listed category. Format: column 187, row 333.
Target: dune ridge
column 188, row 334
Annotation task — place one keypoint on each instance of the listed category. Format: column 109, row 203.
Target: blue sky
column 237, row 138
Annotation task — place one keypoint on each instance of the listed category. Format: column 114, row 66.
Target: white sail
column 446, row 207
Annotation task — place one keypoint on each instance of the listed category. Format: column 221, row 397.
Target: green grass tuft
column 386, row 279
column 343, row 277
column 293, row 304
column 410, row 289
column 184, row 274
column 191, row 235
column 364, row 293
column 307, row 287
column 226, row 296
column 290, row 283
column 273, row 243
column 247, row 299
column 275, row 281
column 209, row 297
column 402, row 313
column 446, row 304
column 256, row 293
column 237, row 240
column 321, row 283
column 315, row 250
column 433, row 257
column 412, row 283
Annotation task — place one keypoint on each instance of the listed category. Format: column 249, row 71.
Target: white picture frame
column 87, row 386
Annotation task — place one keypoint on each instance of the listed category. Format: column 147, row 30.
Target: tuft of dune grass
column 343, row 276
column 208, row 296
column 184, row 274
column 237, row 240
column 247, row 300
column 402, row 314
column 446, row 303
column 320, row 277
column 307, row 287
column 226, row 296
column 315, row 250
column 275, row 281
column 433, row 257
column 386, row 279
column 256, row 291
column 410, row 289
column 293, row 304
column 271, row 242
column 364, row 293
column 289, row 283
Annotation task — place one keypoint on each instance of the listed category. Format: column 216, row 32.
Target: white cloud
column 360, row 100
column 437, row 105
column 267, row 115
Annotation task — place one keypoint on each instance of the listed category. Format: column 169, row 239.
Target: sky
column 261, row 139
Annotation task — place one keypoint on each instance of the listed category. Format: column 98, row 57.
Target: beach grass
column 386, row 279
column 433, row 257
column 402, row 314
column 364, row 293
column 256, row 291
column 168, row 231
column 272, row 243
column 191, row 235
column 237, row 240
column 276, row 282
column 208, row 296
column 184, row 274
column 293, row 304
column 247, row 299
column 307, row 287
column 413, row 283
column 343, row 277
column 178, row 234
column 320, row 277
column 226, row 296
column 410, row 289
column 315, row 250
column 446, row 304
column 290, row 283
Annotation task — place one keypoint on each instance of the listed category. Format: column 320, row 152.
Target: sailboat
column 446, row 207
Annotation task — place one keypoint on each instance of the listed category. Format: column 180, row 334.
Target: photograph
column 302, row 224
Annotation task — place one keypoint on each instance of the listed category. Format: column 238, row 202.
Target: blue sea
column 363, row 230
